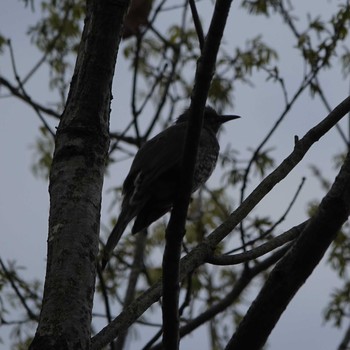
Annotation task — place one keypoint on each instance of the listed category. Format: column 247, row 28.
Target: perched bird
column 149, row 188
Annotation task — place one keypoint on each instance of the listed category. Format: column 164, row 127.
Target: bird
column 149, row 188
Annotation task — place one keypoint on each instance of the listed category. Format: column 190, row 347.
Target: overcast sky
column 24, row 200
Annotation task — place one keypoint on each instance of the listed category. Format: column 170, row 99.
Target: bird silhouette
column 150, row 187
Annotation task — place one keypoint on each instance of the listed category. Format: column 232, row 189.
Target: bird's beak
column 227, row 118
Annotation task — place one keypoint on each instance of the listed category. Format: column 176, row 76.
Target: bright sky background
column 24, row 200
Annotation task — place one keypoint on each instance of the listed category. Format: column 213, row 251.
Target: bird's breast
column 207, row 157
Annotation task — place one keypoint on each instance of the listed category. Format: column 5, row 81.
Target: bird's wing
column 157, row 156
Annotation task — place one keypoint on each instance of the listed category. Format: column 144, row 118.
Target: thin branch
column 4, row 322
column 50, row 45
column 254, row 253
column 104, row 293
column 137, row 111
column 133, row 278
column 149, row 344
column 289, row 208
column 197, row 24
column 323, row 98
column 174, row 62
column 27, row 99
column 121, row 137
column 22, row 299
column 163, row 98
column 156, row 82
column 273, row 227
column 22, row 89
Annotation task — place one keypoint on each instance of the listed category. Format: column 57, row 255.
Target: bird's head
column 212, row 120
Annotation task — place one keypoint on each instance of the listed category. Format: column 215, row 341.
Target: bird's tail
column 114, row 238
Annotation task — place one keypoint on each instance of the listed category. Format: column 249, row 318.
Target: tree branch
column 176, row 227
column 197, row 24
column 242, row 282
column 133, row 278
column 293, row 270
column 22, row 298
column 27, row 99
column 345, row 341
column 259, row 251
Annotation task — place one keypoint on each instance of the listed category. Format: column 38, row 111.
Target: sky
column 24, row 200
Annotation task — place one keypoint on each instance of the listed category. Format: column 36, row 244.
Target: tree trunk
column 76, row 180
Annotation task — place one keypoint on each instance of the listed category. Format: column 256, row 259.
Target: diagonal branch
column 27, row 99
column 259, row 251
column 297, row 265
column 19, row 294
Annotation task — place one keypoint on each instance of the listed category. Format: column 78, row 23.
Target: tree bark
column 76, row 180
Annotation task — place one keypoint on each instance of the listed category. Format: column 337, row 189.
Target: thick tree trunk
column 76, row 184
